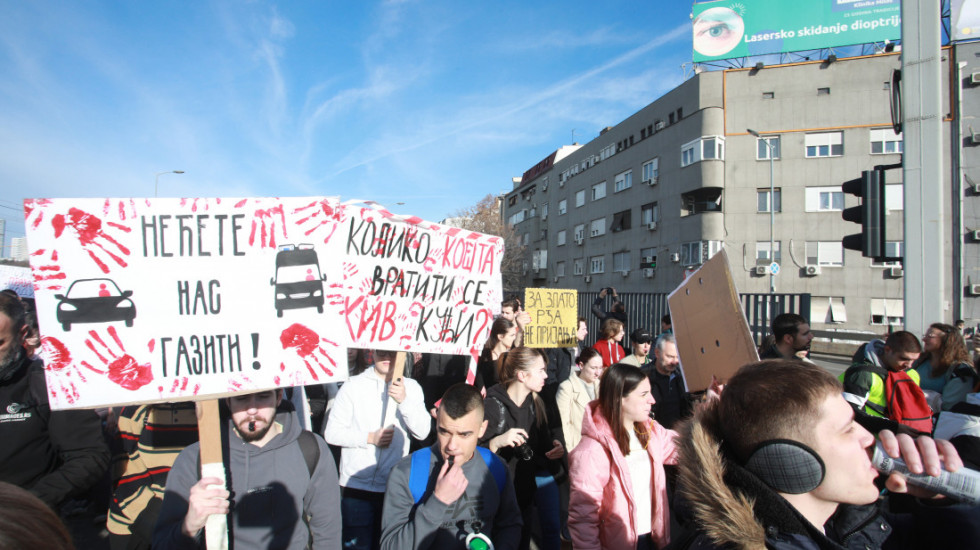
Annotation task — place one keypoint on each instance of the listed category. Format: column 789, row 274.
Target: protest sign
column 712, row 333
column 148, row 300
column 18, row 279
column 554, row 317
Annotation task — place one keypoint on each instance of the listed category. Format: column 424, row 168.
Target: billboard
column 740, row 28
column 965, row 16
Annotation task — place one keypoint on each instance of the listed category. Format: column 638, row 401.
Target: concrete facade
column 832, row 121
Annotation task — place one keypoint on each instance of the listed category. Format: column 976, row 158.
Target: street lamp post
column 156, row 183
column 772, row 210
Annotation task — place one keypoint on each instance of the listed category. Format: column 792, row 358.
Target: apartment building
column 655, row 196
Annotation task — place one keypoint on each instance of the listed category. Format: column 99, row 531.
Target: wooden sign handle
column 209, row 433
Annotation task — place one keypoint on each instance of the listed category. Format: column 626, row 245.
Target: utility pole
column 925, row 263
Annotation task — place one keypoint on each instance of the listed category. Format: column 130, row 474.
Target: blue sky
column 430, row 103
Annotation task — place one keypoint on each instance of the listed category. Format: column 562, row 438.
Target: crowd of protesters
column 583, row 445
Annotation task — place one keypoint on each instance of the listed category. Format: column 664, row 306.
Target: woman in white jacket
column 575, row 394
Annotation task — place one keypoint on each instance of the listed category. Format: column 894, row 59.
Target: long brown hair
column 499, row 328
column 616, row 383
column 522, row 359
column 952, row 350
column 610, row 328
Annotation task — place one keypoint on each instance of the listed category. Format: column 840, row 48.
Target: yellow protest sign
column 554, row 317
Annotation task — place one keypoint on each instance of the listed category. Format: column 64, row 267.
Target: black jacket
column 673, row 403
column 53, row 454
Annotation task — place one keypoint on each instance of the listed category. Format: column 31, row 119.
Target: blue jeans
column 361, row 516
column 549, row 510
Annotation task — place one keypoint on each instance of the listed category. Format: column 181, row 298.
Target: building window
column 706, row 199
column 705, row 148
column 597, row 264
column 597, row 228
column 762, row 255
column 894, row 197
column 762, row 150
column 762, row 199
column 544, row 211
column 651, row 171
column 526, row 238
column 518, row 217
column 559, row 269
column 826, row 144
column 768, row 95
column 691, row 253
column 577, row 267
column 893, row 249
column 623, row 181
column 823, row 91
column 649, row 212
column 621, row 261
column 579, row 198
column 562, row 207
column 607, row 151
column 885, row 141
column 885, row 311
column 560, row 238
column 621, row 221
column 824, row 199
column 580, row 232
column 599, row 191
column 827, row 310
column 825, row 253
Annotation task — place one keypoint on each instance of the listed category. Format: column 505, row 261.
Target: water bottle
column 962, row 485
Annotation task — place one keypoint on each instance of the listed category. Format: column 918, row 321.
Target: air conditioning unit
column 974, row 290
column 544, row 187
column 975, row 78
column 625, row 273
column 975, row 234
column 647, row 259
column 660, row 125
column 675, row 257
column 652, row 226
column 648, row 273
column 895, row 272
column 975, row 138
column 976, row 188
column 813, row 270
column 544, row 217
column 554, row 279
column 588, row 278
column 760, row 270
column 579, row 241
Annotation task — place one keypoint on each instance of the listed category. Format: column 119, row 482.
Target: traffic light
column 870, row 188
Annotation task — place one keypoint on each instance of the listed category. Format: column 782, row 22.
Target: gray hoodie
column 271, row 491
column 432, row 524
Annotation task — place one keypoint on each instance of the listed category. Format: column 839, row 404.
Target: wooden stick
column 209, row 432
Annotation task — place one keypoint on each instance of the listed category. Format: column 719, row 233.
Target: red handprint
column 123, row 369
column 179, row 388
column 324, row 213
column 57, row 359
column 205, row 204
column 308, row 346
column 264, row 222
column 47, row 275
column 88, row 229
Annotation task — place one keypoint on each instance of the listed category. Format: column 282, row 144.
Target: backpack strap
column 496, row 467
column 418, row 473
column 311, row 450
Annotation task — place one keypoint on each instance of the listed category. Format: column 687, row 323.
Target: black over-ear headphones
column 787, row 466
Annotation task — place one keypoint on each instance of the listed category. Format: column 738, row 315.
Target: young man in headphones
column 779, row 462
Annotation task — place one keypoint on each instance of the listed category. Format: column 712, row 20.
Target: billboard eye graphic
column 95, row 301
column 298, row 282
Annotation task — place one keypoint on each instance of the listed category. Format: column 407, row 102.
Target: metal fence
column 646, row 309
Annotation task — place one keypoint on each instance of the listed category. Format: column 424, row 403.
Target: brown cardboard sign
column 709, row 324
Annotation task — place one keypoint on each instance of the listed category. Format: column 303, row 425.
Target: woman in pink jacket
column 619, row 493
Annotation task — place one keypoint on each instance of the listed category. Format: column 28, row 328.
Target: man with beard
column 53, row 454
column 673, row 403
column 792, row 337
column 282, row 483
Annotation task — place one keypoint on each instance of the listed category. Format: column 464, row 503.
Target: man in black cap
column 640, row 341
